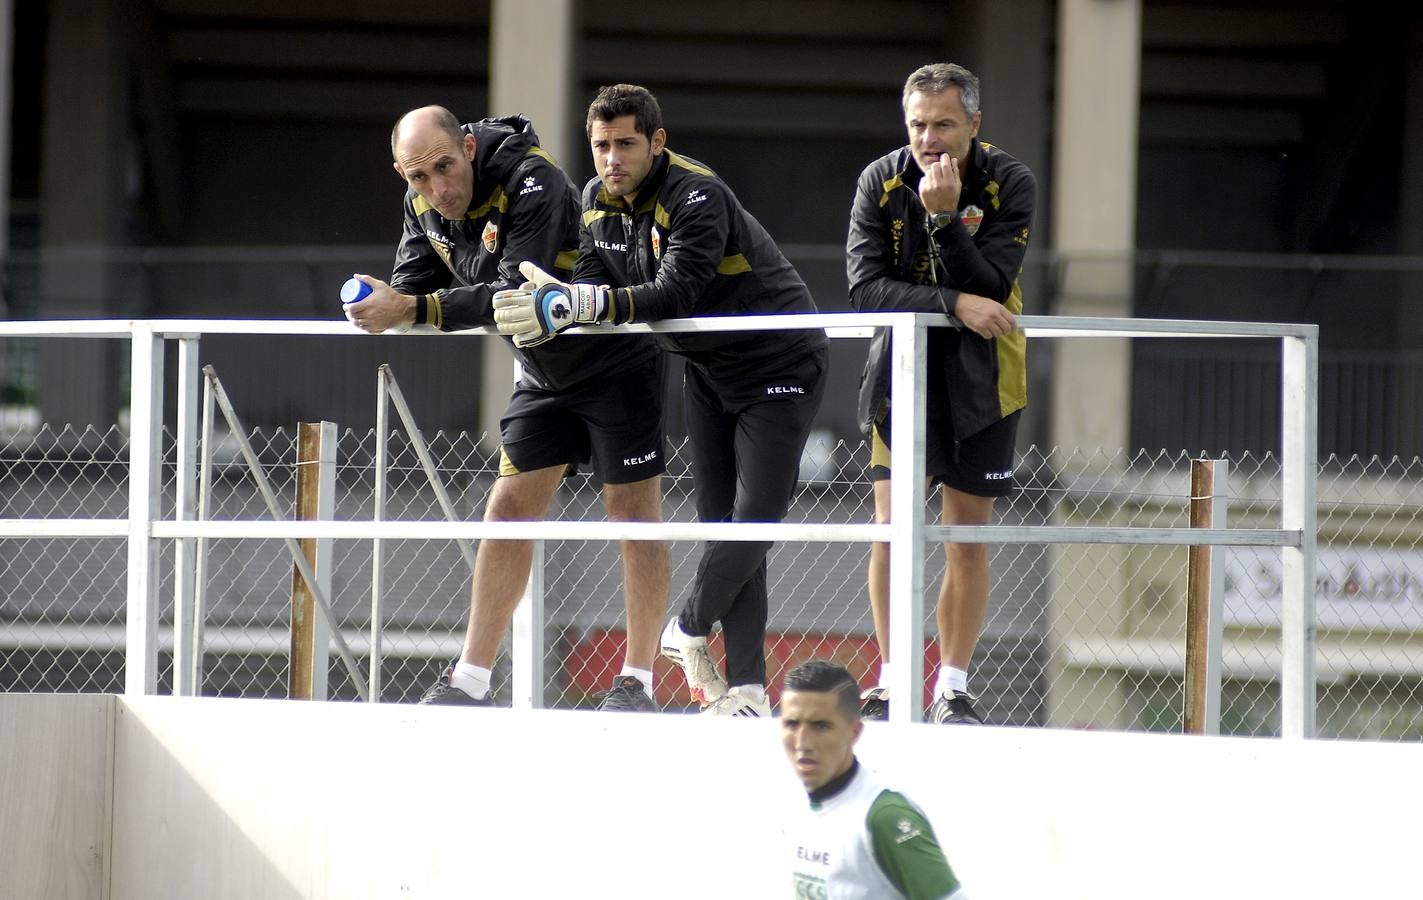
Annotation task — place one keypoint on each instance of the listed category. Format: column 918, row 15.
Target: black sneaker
column 874, row 704
column 626, row 695
column 446, row 694
column 955, row 708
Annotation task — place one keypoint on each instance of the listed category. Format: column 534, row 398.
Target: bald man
column 482, row 198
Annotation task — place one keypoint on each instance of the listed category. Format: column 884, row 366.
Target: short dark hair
column 617, row 100
column 824, row 677
column 444, row 119
column 936, row 78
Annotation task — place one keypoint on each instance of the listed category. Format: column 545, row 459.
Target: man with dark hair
column 941, row 226
column 481, row 199
column 663, row 237
column 858, row 837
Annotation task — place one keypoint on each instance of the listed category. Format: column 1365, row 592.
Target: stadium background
column 176, row 158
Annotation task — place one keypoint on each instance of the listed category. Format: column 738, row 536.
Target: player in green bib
column 857, row 838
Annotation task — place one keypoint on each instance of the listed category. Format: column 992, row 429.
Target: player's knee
column 966, row 554
column 511, row 504
column 633, row 503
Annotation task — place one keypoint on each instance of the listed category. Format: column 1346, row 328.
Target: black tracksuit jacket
column 888, row 262
column 524, row 208
column 690, row 249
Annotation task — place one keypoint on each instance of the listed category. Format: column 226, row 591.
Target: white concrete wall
column 246, row 799
column 56, row 766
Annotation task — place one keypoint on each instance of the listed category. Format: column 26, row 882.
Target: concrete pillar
column 1010, row 51
column 1410, row 195
column 7, row 64
column 1094, row 213
column 1093, row 224
column 83, row 203
column 531, row 71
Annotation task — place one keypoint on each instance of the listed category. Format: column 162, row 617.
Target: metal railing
column 145, row 527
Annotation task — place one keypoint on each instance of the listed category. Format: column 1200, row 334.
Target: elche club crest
column 972, row 217
column 656, row 243
column 490, row 237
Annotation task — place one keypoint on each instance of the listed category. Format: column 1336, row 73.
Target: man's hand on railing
column 984, row 317
column 544, row 306
column 384, row 309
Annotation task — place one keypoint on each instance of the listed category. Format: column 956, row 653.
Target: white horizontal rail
column 524, row 531
column 1057, row 534
column 63, row 528
column 843, row 325
column 719, row 531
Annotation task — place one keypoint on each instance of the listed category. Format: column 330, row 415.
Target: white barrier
column 246, row 799
column 907, row 535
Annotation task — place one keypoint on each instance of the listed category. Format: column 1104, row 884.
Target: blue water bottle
column 354, row 291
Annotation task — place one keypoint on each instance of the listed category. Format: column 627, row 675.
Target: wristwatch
column 942, row 220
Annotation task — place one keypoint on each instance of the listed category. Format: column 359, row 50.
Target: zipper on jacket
column 634, row 251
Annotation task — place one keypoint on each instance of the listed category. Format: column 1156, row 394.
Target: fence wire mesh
column 1076, row 635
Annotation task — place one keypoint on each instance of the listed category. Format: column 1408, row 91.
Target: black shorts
column 614, row 422
column 981, row 465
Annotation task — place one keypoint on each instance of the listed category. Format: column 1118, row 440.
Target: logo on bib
column 490, row 237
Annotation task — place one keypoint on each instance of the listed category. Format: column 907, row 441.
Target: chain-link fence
column 1076, row 635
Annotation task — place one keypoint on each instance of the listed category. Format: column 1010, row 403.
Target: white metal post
column 194, row 675
column 1299, row 449
column 326, row 512
column 528, row 638
column 527, row 652
column 145, row 448
column 382, row 437
column 1220, row 503
column 906, row 550
column 185, row 505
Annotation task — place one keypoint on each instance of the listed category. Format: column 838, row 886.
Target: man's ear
column 399, row 170
column 659, row 140
column 469, row 145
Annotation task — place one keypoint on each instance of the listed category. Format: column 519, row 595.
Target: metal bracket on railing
column 391, row 389
column 387, row 388
column 298, row 557
column 527, row 625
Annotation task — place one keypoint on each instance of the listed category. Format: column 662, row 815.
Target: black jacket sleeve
column 988, row 263
column 873, row 271
column 694, row 247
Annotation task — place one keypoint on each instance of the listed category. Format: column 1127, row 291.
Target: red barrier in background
column 593, row 660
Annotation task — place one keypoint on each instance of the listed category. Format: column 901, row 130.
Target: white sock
column 950, row 680
column 884, row 672
column 643, row 675
column 756, row 693
column 472, row 679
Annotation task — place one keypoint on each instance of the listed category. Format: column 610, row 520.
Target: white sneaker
column 745, row 700
column 703, row 680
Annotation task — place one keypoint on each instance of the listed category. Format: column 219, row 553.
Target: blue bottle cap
column 354, row 290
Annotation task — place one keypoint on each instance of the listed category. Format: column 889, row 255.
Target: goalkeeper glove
column 544, row 306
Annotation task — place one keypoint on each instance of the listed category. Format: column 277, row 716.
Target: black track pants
column 746, row 441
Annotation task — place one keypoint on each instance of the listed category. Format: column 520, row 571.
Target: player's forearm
column 971, row 269
column 885, row 294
